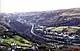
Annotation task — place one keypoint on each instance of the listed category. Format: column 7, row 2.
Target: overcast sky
column 37, row 5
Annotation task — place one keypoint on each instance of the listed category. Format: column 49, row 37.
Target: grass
column 60, row 28
column 17, row 39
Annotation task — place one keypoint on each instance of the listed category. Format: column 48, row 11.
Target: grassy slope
column 17, row 39
column 61, row 28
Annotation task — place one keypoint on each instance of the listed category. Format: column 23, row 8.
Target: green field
column 60, row 28
column 16, row 39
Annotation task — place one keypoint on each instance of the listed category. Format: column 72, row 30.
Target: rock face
column 20, row 22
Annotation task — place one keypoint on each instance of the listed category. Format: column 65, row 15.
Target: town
column 61, row 39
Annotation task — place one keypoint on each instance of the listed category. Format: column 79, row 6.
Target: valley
column 56, row 30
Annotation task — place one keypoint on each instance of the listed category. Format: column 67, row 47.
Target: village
column 65, row 39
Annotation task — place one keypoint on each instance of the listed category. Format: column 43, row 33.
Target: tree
column 21, row 40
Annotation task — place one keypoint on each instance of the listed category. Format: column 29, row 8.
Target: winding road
column 32, row 31
column 43, row 38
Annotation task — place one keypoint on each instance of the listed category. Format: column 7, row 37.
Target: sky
column 37, row 5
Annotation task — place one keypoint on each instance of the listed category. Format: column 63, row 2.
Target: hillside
column 57, row 17
column 25, row 22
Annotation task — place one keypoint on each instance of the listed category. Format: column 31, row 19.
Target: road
column 32, row 31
